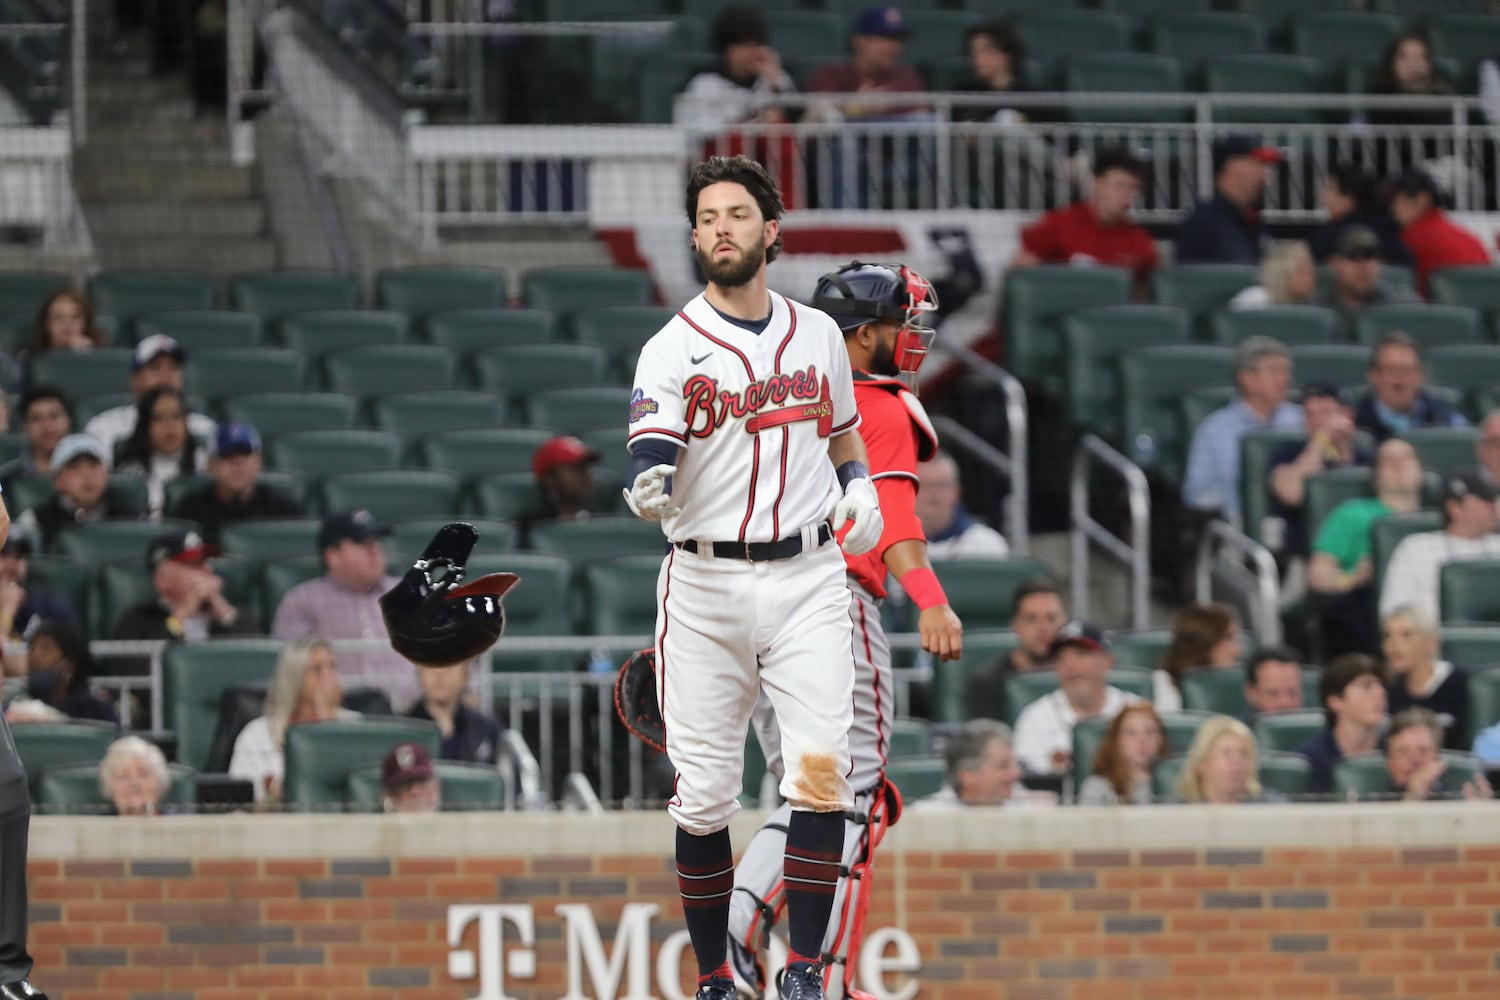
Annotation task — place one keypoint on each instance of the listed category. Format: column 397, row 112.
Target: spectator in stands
column 564, row 471
column 468, row 735
column 996, row 57
column 133, row 777
column 1418, row 679
column 1352, row 199
column 59, row 669
column 1203, row 635
column 1406, row 70
column 1353, row 694
column 20, row 603
column 190, row 602
column 1417, row 770
column 981, row 767
column 1044, row 729
column 1356, row 268
column 344, row 604
column 409, row 781
column 1341, row 573
column 749, row 71
column 304, row 688
column 1226, row 228
column 1036, row 615
column 45, row 420
column 1487, row 448
column 1468, row 532
column 1133, row 742
column 80, row 483
column 1487, row 745
column 1263, row 370
column 159, row 448
column 157, row 362
column 952, row 532
column 1287, row 278
column 65, row 322
column 1273, row 681
column 1220, row 768
column 1435, row 241
column 1331, row 444
column 1396, row 401
column 235, row 494
column 1097, row 230
column 875, row 44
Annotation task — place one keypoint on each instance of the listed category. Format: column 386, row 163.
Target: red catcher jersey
column 897, row 435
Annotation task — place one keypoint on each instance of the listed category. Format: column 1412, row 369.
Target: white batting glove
column 861, row 508
column 648, row 496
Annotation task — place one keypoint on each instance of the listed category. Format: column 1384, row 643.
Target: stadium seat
column 663, row 78
column 1141, row 648
column 327, row 453
column 1288, row 730
column 917, row 777
column 198, row 329
column 909, row 738
column 1475, row 647
column 1342, row 36
column 1292, row 325
column 1125, row 73
column 506, row 496
column 1088, row 736
column 481, row 451
column 580, row 408
column 107, row 541
column 1484, row 702
column 1132, row 680
column 128, row 295
column 1326, row 490
column 422, row 291
column 1362, row 777
column 796, row 34
column 320, row 755
column 416, row 414
column 540, row 606
column 934, row 33
column 1265, row 73
column 1443, row 449
column 12, row 444
column 391, row 494
column 621, row 331
column 236, row 371
column 464, row 787
column 23, row 292
column 1468, row 38
column 318, row 331
column 1095, row 339
column 1179, row 728
column 464, row 331
column 1428, row 325
column 1343, row 365
column 523, row 368
column 1023, row 689
column 619, row 594
column 1284, row 772
column 1153, row 381
column 599, row 536
column 1197, row 404
column 274, row 294
column 117, row 586
column 1164, row 776
column 277, row 576
column 980, row 590
column 1193, row 36
column 1052, row 34
column 1201, row 289
column 67, row 578
column 73, row 789
column 272, row 539
column 273, row 413
column 83, row 373
column 1212, row 690
column 381, row 369
column 1475, row 287
column 409, row 536
column 568, row 290
column 1034, row 302
column 193, row 676
column 1468, row 367
column 1469, row 591
column 1387, row 532
column 53, row 744
column 1256, row 449
column 948, row 696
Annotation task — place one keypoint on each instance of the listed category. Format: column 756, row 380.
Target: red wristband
column 922, row 586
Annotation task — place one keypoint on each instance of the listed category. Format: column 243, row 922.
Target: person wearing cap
column 20, row 604
column 875, row 43
column 408, row 780
column 157, row 362
column 468, row 735
column 563, row 469
column 1435, row 241
column 189, row 603
column 1357, row 268
column 749, row 71
column 1468, row 532
column 80, row 483
column 59, row 670
column 46, row 418
column 1330, row 444
column 1263, row 371
column 235, row 493
column 1082, row 658
column 1288, row 277
column 1397, row 401
column 160, row 448
column 1226, row 228
column 1352, row 197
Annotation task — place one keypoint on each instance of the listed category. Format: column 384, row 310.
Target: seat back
column 1132, row 680
column 23, row 292
column 391, row 494
column 949, row 700
column 1469, row 591
column 1201, row 289
column 1141, row 648
column 409, row 536
column 83, row 373
column 1468, row 38
column 1052, row 35
column 1428, row 325
column 421, row 291
column 1256, row 449
column 482, row 451
column 1443, row 449
column 1287, row 773
column 1343, row 365
column 320, row 755
column 1265, row 73
column 1034, row 302
column 1475, row 287
column 1114, row 72
column 109, row 541
column 273, row 539
column 128, row 294
column 1484, row 701
column 1362, row 777
column 1342, row 35
column 569, row 290
column 465, row 787
column 198, row 329
column 582, row 408
column 1214, row 690
column 1463, row 366
column 326, row 453
column 518, row 369
column 1153, row 382
column 622, row 331
column 1095, row 340
column 917, row 777
column 74, row 789
column 1023, row 689
column 910, row 738
column 235, row 371
column 1193, row 36
column 43, row 745
column 416, row 414
column 464, row 331
column 1387, row 532
column 273, row 413
column 195, row 674
column 980, row 591
column 1291, row 325
column 382, row 369
column 1326, row 490
column 598, row 537
column 1288, row 730
column 620, row 594
column 319, row 331
column 274, row 294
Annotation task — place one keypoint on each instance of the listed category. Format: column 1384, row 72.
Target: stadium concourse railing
column 1091, row 460
column 1232, row 559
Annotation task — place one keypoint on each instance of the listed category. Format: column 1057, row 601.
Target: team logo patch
column 640, row 405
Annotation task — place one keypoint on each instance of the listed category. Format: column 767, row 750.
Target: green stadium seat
column 1428, row 325
column 568, row 290
column 1292, row 325
column 175, row 489
column 1387, row 532
column 1124, row 72
column 381, row 369
column 1265, row 73
column 1284, row 772
column 273, row 413
column 327, row 453
column 1179, row 728
column 118, row 586
column 1142, row 648
column 1469, row 591
column 540, row 606
column 320, row 755
column 198, row 329
column 1342, row 36
column 1153, row 381
column 274, row 294
column 422, row 291
column 1468, row 38
column 1219, row 691
column 464, row 331
column 1327, row 490
column 272, row 539
column 128, row 295
column 1023, row 689
column 107, row 541
column 1198, row 403
column 810, row 34
column 73, row 789
column 12, row 445
column 277, row 576
column 909, row 738
column 67, row 578
column 948, row 697
column 86, row 408
column 599, row 536
column 481, row 451
column 663, row 78
column 622, row 331
column 23, row 292
column 1192, row 36
column 1475, row 287
column 1088, row 736
column 27, row 493
column 1475, row 646
column 409, row 536
column 1288, row 731
column 619, row 594
column 1201, row 289
column 318, row 331
column 1053, row 34
column 1132, row 680
column 391, row 494
column 193, row 676
column 43, row 745
column 523, row 368
column 980, row 590
column 1443, row 449
column 1484, row 702
column 83, row 373
column 1164, row 777
column 580, row 408
column 917, row 777
column 934, row 32
column 1256, row 449
column 1362, row 777
column 506, row 496
column 465, row 787
column 1471, row 368
column 414, row 415
column 1343, row 365
column 1034, row 302
column 1094, row 340
column 235, row 371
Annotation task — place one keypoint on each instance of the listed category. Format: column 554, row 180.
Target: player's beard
column 735, row 271
column 883, row 362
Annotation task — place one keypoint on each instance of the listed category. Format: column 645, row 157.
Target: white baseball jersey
column 753, row 413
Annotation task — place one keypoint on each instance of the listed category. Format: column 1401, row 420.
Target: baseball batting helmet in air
column 434, row 619
column 859, row 293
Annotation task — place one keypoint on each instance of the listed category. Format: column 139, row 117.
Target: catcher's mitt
column 435, row 619
column 635, row 699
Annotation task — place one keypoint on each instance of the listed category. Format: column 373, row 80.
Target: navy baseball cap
column 235, row 438
column 1084, row 635
column 349, row 526
column 1233, row 147
column 884, row 22
column 1462, row 483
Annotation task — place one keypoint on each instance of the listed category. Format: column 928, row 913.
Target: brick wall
column 359, row 908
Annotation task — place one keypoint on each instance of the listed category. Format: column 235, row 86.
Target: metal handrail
column 513, row 749
column 1263, row 581
column 579, row 796
column 1135, row 554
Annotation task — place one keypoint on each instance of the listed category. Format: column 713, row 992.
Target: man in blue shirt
column 1263, row 371
column 1396, row 401
column 1226, row 228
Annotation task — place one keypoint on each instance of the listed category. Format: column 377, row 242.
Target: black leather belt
column 784, row 548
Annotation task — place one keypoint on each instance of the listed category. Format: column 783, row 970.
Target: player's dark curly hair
column 743, row 171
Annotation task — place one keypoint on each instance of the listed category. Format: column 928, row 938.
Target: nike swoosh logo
column 700, row 360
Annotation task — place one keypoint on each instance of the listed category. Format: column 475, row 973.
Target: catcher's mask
column 858, row 293
column 436, row 620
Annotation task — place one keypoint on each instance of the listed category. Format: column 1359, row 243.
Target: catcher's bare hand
column 648, row 497
column 942, row 632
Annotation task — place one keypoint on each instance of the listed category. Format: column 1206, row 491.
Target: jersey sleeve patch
column 641, row 406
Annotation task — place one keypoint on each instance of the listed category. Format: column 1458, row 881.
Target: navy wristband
column 850, row 471
column 648, row 454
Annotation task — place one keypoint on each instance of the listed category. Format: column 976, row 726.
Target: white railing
column 1232, row 558
column 36, row 187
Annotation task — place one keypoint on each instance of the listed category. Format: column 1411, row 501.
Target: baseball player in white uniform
column 744, row 446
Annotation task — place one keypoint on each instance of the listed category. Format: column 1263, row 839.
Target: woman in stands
column 1288, row 277
column 1418, row 679
column 65, row 323
column 1220, row 768
column 1132, row 745
column 304, row 688
column 1203, row 635
column 160, row 448
column 133, row 777
column 1406, row 70
column 59, row 667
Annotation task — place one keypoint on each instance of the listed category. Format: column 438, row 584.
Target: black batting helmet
column 434, row 619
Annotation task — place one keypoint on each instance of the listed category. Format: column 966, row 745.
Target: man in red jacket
column 1434, row 240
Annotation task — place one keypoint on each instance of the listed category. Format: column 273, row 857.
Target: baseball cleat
column 802, row 983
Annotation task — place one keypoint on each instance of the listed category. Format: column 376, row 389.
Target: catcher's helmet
column 859, row 293
column 431, row 619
